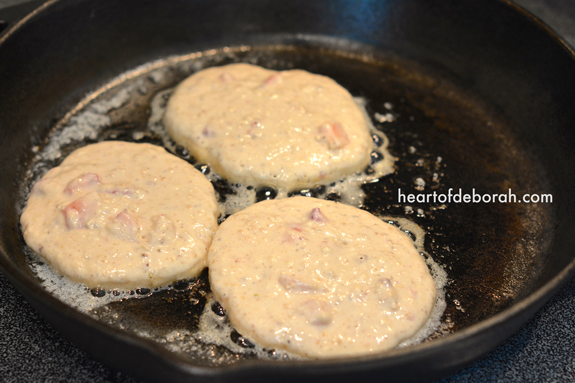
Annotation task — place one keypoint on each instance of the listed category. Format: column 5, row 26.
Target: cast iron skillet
column 487, row 89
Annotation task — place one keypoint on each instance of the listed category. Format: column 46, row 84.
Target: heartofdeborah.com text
column 473, row 197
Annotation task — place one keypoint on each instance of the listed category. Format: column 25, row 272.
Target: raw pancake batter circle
column 122, row 215
column 319, row 279
column 259, row 127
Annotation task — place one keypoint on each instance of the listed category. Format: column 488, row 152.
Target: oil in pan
column 441, row 137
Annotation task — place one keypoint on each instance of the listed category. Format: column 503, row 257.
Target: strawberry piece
column 317, row 216
column 84, row 182
column 78, row 213
column 334, row 134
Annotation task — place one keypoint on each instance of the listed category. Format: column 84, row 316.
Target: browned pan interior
column 440, row 132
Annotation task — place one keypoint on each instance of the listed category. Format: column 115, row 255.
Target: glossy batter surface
column 319, row 279
column 122, row 215
column 262, row 127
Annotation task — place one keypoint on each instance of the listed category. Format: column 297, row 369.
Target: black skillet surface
column 522, row 95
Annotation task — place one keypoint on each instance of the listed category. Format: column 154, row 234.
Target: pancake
column 319, row 279
column 260, row 127
column 122, row 215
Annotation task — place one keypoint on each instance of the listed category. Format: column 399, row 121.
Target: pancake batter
column 122, row 215
column 256, row 126
column 319, row 279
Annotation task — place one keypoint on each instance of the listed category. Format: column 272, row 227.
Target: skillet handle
column 10, row 15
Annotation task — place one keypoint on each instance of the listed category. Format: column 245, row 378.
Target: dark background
column 542, row 351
